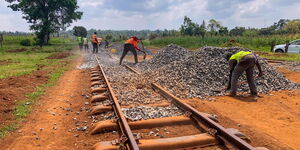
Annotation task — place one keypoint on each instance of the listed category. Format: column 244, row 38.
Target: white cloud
column 91, row 3
column 252, row 6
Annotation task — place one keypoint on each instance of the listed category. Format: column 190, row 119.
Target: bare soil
column 5, row 62
column 17, row 50
column 52, row 124
column 271, row 121
column 61, row 55
column 13, row 89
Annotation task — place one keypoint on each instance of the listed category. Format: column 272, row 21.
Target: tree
column 237, row 31
column 214, row 26
column 293, row 26
column 108, row 37
column 187, row 27
column 47, row 16
column 80, row 31
column 223, row 31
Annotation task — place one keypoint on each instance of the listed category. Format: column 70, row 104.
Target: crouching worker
column 131, row 45
column 238, row 63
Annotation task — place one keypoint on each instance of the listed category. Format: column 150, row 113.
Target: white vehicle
column 293, row 47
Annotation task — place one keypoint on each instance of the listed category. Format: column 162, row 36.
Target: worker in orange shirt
column 95, row 42
column 131, row 45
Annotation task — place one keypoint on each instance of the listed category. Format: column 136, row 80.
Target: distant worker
column 86, row 44
column 95, row 42
column 130, row 45
column 106, row 43
column 238, row 63
column 100, row 41
column 80, row 42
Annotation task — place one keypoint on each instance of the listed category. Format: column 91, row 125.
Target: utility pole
column 1, row 39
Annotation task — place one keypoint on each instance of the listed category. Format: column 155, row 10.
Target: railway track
column 207, row 133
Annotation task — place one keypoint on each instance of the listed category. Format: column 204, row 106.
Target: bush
column 26, row 42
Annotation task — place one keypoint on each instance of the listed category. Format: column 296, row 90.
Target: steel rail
column 121, row 118
column 222, row 133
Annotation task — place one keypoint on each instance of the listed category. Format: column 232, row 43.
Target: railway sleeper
column 97, row 83
column 110, row 125
column 95, row 75
column 95, row 72
column 198, row 140
column 99, row 98
column 93, row 79
column 98, row 90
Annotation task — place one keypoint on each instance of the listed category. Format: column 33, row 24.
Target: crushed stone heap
column 164, row 57
column 205, row 72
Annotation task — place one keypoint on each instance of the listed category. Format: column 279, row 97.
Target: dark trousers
column 95, row 48
column 127, row 48
column 80, row 46
column 86, row 47
column 246, row 64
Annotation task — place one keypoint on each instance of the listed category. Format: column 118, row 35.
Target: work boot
column 231, row 94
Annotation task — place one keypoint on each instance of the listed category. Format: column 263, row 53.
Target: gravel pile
column 89, row 61
column 165, row 56
column 144, row 113
column 205, row 73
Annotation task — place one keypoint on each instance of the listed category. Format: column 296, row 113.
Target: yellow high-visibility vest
column 239, row 55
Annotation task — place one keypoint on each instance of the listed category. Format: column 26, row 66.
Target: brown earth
column 5, row 62
column 13, row 89
column 272, row 121
column 61, row 55
column 52, row 124
column 17, row 50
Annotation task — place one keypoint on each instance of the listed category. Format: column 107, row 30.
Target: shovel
column 143, row 51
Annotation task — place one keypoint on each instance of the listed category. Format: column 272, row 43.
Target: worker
column 80, row 42
column 130, row 45
column 106, row 43
column 238, row 63
column 86, row 44
column 95, row 42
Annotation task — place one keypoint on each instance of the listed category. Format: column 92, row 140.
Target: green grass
column 286, row 57
column 260, row 43
column 5, row 130
column 26, row 62
column 21, row 63
column 23, row 108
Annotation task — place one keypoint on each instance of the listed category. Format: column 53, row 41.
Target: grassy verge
column 21, row 60
column 260, row 44
column 23, row 108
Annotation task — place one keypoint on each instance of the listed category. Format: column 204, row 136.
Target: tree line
column 215, row 28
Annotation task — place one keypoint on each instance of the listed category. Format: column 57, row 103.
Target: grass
column 26, row 62
column 260, row 43
column 23, row 108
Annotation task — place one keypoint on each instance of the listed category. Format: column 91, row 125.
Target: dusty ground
column 61, row 55
column 52, row 125
column 272, row 121
column 13, row 89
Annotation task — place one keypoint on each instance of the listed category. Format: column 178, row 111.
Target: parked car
column 293, row 47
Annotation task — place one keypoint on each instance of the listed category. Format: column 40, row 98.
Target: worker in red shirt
column 131, row 45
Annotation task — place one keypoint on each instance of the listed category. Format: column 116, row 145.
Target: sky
column 166, row 14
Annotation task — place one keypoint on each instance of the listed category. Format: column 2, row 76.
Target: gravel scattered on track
column 144, row 113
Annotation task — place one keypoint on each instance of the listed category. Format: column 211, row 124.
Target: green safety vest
column 239, row 55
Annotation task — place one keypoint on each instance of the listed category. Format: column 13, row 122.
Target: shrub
column 26, row 42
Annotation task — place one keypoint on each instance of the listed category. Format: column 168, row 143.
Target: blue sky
column 167, row 14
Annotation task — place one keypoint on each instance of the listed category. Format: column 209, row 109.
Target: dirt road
column 52, row 124
column 272, row 121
